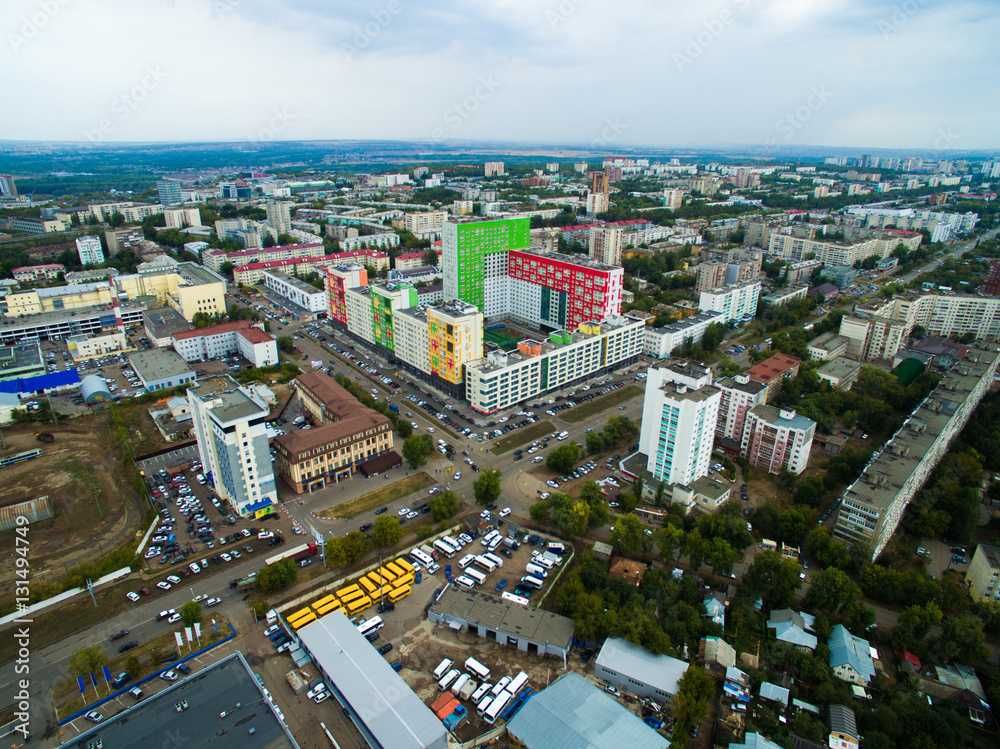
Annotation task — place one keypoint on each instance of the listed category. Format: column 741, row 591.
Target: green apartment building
column 474, row 260
column 385, row 300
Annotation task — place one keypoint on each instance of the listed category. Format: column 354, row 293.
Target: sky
column 920, row 74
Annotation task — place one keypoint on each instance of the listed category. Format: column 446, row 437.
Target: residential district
column 635, row 452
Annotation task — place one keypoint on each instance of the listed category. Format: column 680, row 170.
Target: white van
column 200, row 478
column 448, row 679
column 536, row 571
column 442, row 668
column 563, row 435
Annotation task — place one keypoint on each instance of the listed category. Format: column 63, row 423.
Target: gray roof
column 842, row 721
column 628, row 659
column 208, row 692
column 391, row 711
column 755, row 741
column 791, row 626
column 158, row 364
column 769, row 691
column 572, row 713
column 505, row 616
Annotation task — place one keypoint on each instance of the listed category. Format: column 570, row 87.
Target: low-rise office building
column 786, row 295
column 21, row 361
column 83, row 347
column 529, row 629
column 827, row 346
column 257, row 347
column 33, row 273
column 160, row 369
column 635, row 670
column 213, row 342
column 840, row 372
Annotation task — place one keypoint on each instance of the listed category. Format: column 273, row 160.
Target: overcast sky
column 918, row 74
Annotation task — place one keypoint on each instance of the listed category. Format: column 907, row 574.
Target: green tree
column 810, row 491
column 430, row 257
column 227, row 269
column 487, row 486
column 669, row 539
column 563, row 458
column 336, row 555
column 132, row 666
column 190, row 613
column 286, row 344
column 86, row 660
column 722, row 556
column 387, row 531
column 540, row 511
column 356, row 545
column 594, row 442
column 116, row 220
column 417, row 448
column 444, row 505
column 963, row 640
column 772, row 578
column 791, row 527
column 404, row 429
column 626, row 534
column 277, row 576
column 695, row 694
column 829, row 590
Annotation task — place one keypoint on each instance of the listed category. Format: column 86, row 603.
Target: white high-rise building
column 229, row 424
column 672, row 199
column 90, row 251
column 679, row 416
column 279, row 216
column 735, row 301
column 606, row 244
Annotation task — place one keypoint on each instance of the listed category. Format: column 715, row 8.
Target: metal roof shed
column 572, row 713
column 381, row 704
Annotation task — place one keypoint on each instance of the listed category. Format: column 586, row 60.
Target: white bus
column 459, row 683
column 418, row 556
column 532, row 582
column 444, row 548
column 466, row 560
column 554, row 558
column 448, row 679
column 463, row 581
column 493, row 558
column 498, row 539
column 477, row 668
column 536, row 570
column 484, row 705
column 542, row 562
column 519, row 683
column 556, row 548
column 500, row 686
column 485, row 563
column 481, row 692
column 442, row 668
column 514, row 598
column 372, row 625
column 455, row 545
column 476, row 575
column 485, row 540
column 496, row 707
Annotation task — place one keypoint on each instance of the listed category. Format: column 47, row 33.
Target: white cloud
column 677, row 73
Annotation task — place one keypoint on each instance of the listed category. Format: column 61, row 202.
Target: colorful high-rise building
column 562, row 291
column 474, row 260
column 386, row 299
column 338, row 279
column 455, row 337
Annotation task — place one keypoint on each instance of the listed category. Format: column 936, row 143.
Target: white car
column 271, row 630
column 458, row 475
column 430, row 429
column 538, row 459
column 195, row 567
column 174, row 619
column 132, row 596
column 505, row 512
column 226, row 557
column 403, row 511
column 173, row 579
column 163, row 585
column 484, row 514
column 411, row 514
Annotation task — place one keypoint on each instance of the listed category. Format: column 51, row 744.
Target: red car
column 144, row 591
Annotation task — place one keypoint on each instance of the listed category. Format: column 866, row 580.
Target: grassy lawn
column 66, row 694
column 579, row 413
column 522, row 437
column 379, row 497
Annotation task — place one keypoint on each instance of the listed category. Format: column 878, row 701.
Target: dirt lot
column 82, row 474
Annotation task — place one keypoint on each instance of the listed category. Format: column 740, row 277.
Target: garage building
column 382, row 706
column 571, row 713
column 525, row 627
column 635, row 670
